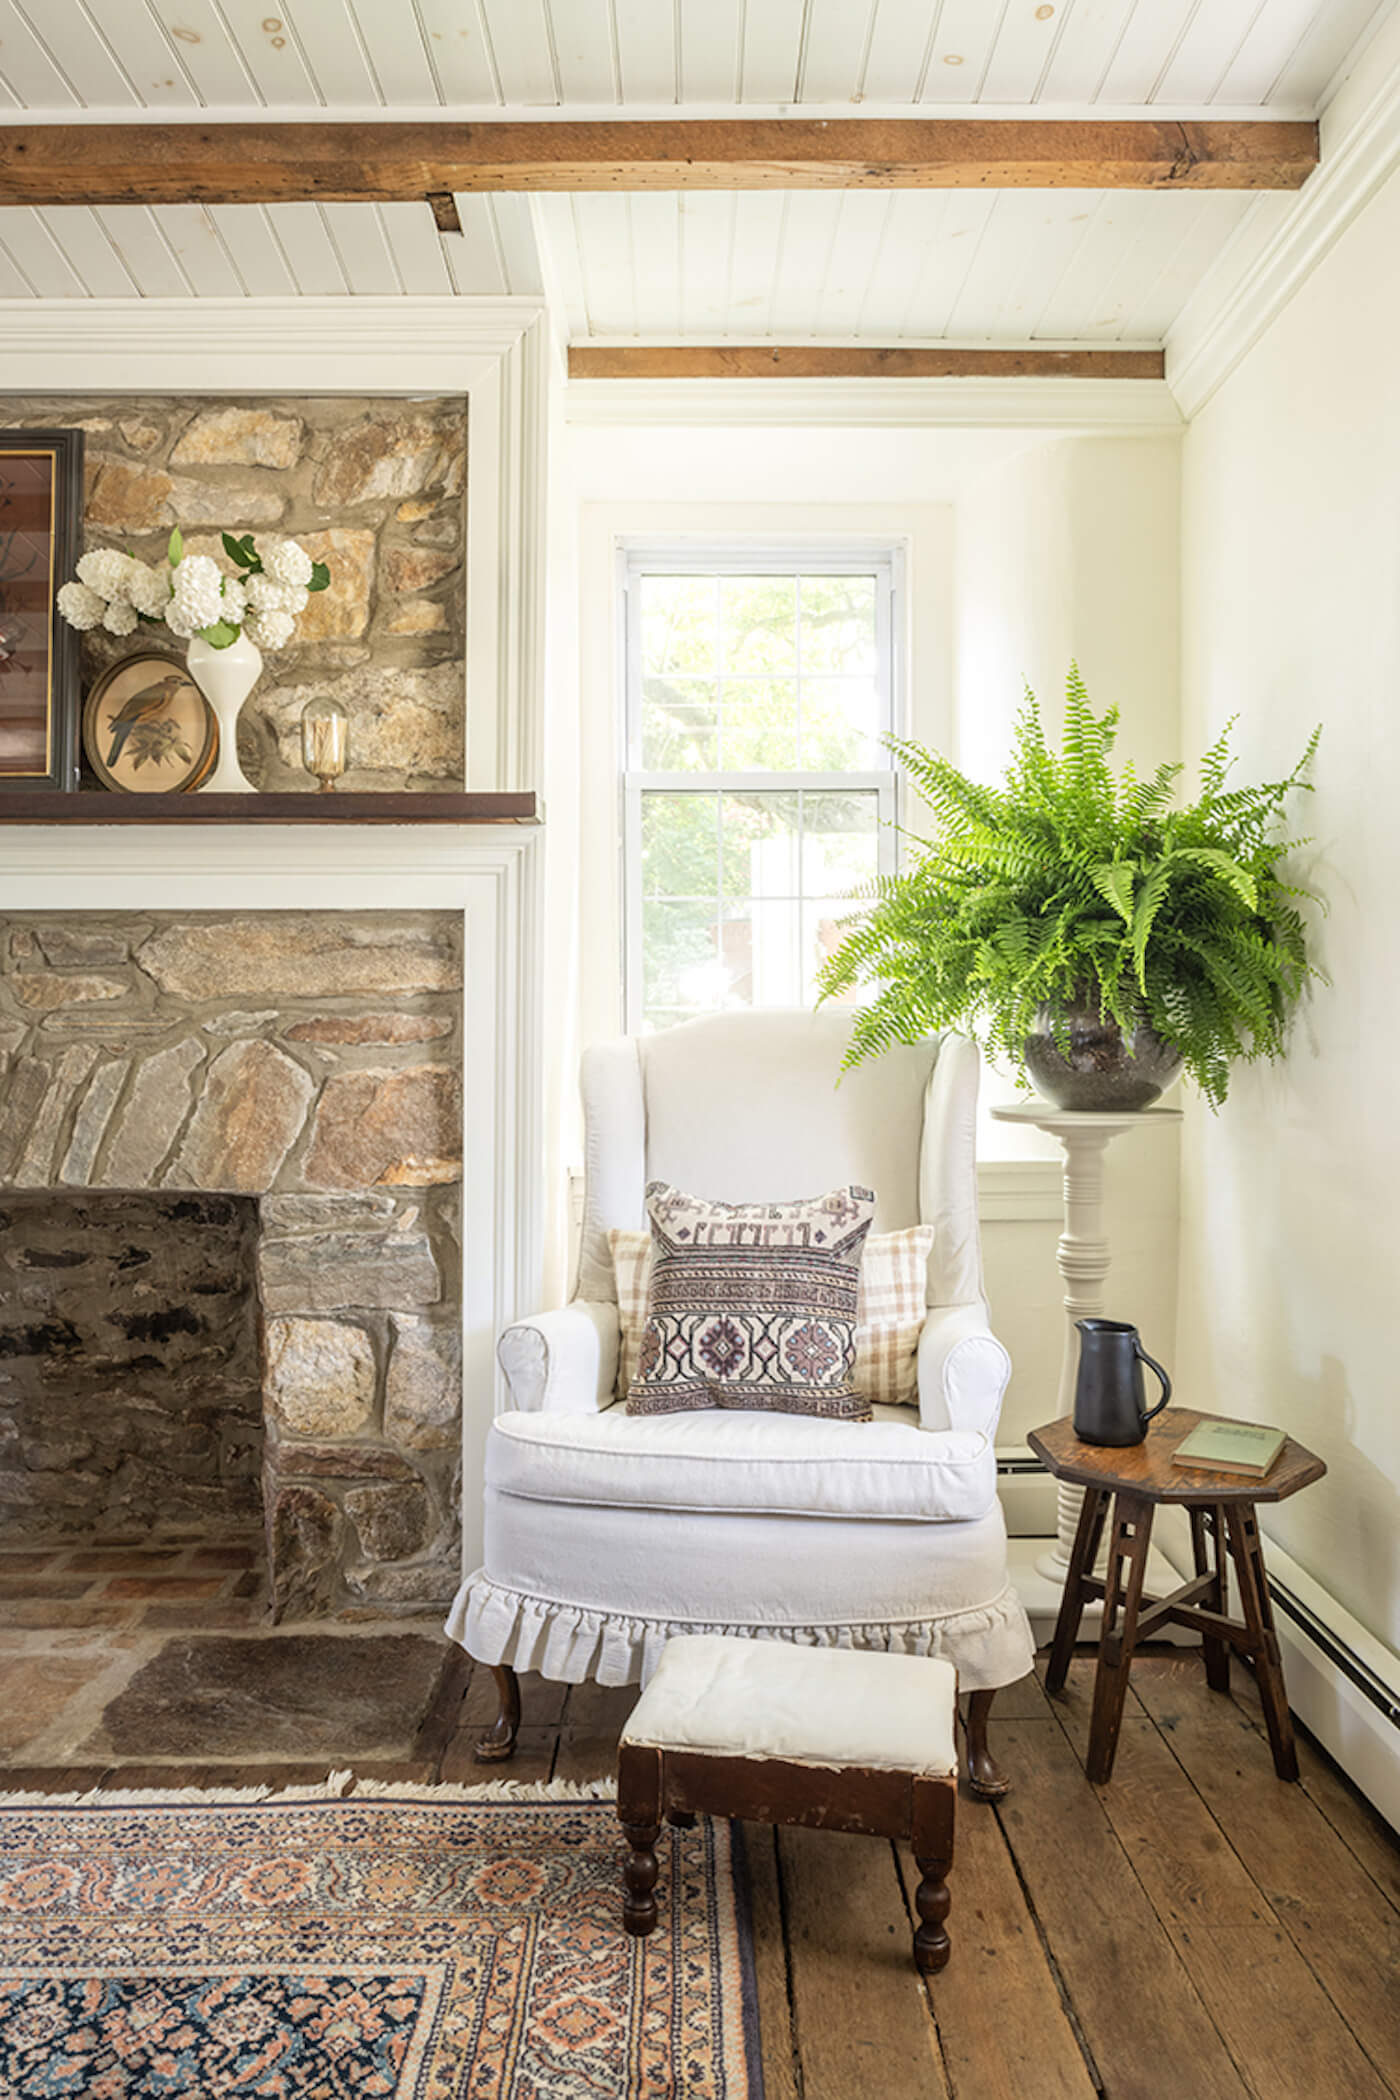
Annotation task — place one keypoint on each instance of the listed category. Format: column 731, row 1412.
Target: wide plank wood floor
column 1195, row 1930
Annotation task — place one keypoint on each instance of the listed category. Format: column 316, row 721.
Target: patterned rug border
column 338, row 1786
column 342, row 1789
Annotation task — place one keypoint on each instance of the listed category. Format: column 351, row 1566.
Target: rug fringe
column 338, row 1786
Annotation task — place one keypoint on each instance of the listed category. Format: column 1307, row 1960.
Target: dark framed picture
column 41, row 511
column 148, row 729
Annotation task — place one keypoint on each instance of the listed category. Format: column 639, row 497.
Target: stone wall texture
column 373, row 487
column 130, row 1377
column 311, row 1065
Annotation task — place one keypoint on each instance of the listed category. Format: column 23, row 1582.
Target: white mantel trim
column 492, row 351
column 489, row 874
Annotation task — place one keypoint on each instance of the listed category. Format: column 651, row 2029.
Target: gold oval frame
column 203, row 764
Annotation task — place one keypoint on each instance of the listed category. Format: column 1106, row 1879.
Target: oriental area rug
column 437, row 1946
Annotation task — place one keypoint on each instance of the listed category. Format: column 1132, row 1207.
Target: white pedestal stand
column 1083, row 1256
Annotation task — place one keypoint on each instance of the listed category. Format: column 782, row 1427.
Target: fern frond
column 1068, row 882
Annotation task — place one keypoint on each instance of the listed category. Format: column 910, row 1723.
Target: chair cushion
column 725, row 1460
column 753, row 1305
column 890, row 1307
column 817, row 1706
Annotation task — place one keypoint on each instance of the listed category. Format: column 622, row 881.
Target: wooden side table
column 1221, row 1506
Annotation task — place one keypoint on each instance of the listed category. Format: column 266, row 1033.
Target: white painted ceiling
column 1008, row 267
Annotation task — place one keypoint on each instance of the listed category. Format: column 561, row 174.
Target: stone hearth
column 308, row 1064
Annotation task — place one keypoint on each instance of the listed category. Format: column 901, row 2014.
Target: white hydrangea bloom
column 234, row 604
column 267, row 595
column 196, row 588
column 287, row 562
column 105, row 570
column 270, row 630
column 148, row 589
column 120, row 616
column 180, row 622
column 80, row 605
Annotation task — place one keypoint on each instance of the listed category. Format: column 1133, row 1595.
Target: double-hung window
column 757, row 793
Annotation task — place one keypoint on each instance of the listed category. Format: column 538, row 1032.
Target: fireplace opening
column 130, row 1367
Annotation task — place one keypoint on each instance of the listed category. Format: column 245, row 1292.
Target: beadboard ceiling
column 996, row 267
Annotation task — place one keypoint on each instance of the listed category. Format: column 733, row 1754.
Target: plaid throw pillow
column 890, row 1308
column 753, row 1305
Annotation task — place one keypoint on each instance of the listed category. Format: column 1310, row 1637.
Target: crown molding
column 1140, row 405
column 1360, row 151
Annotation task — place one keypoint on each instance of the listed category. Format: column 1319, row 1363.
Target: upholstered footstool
column 837, row 1738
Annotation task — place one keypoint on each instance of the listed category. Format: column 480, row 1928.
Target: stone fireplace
column 230, row 1238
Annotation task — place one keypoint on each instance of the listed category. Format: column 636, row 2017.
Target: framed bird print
column 148, row 729
column 41, row 508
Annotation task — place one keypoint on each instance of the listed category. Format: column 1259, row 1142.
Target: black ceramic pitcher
column 1109, row 1405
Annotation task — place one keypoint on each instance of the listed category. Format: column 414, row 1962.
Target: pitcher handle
column 1153, row 1365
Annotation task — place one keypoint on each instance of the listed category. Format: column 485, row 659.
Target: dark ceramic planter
column 1102, row 1070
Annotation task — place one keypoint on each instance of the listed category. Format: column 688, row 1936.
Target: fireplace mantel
column 489, row 874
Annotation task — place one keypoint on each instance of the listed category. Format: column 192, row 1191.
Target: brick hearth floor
column 118, row 1656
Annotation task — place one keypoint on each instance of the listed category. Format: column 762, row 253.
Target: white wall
column 1289, row 1309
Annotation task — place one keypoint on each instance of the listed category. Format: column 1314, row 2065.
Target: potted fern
column 1082, row 927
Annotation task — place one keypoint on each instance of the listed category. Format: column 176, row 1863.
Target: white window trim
column 721, row 557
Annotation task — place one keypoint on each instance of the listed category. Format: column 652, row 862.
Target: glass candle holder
column 325, row 740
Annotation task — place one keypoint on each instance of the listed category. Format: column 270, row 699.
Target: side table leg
column 1081, row 1563
column 1127, row 1565
column 1208, row 1553
column 1259, row 1618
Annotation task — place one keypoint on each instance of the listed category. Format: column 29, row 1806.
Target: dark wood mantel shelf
column 25, row 807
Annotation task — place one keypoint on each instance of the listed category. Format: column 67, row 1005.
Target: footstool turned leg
column 639, row 1871
column 641, row 1803
column 985, row 1778
column 931, row 1899
column 499, row 1741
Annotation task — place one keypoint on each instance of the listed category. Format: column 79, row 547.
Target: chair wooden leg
column 985, row 1778
column 499, row 1741
column 1208, row 1553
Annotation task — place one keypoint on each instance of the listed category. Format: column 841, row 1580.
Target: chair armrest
column 562, row 1362
column 963, row 1370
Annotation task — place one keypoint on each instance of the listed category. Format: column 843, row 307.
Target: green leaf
column 320, row 576
column 219, row 635
column 1113, row 879
column 175, row 546
column 1228, row 869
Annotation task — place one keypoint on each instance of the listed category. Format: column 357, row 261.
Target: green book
column 1231, row 1447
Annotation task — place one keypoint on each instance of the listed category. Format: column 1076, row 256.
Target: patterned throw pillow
column 890, row 1310
column 753, row 1305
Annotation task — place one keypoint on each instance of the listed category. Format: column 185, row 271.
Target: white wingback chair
column 606, row 1533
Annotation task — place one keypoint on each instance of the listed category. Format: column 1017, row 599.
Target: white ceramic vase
column 226, row 677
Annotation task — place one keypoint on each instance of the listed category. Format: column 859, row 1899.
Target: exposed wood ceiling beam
column 380, row 163
column 782, row 361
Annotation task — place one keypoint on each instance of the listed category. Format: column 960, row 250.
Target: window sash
column 678, row 559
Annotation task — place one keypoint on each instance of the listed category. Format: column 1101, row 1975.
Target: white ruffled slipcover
column 990, row 1645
